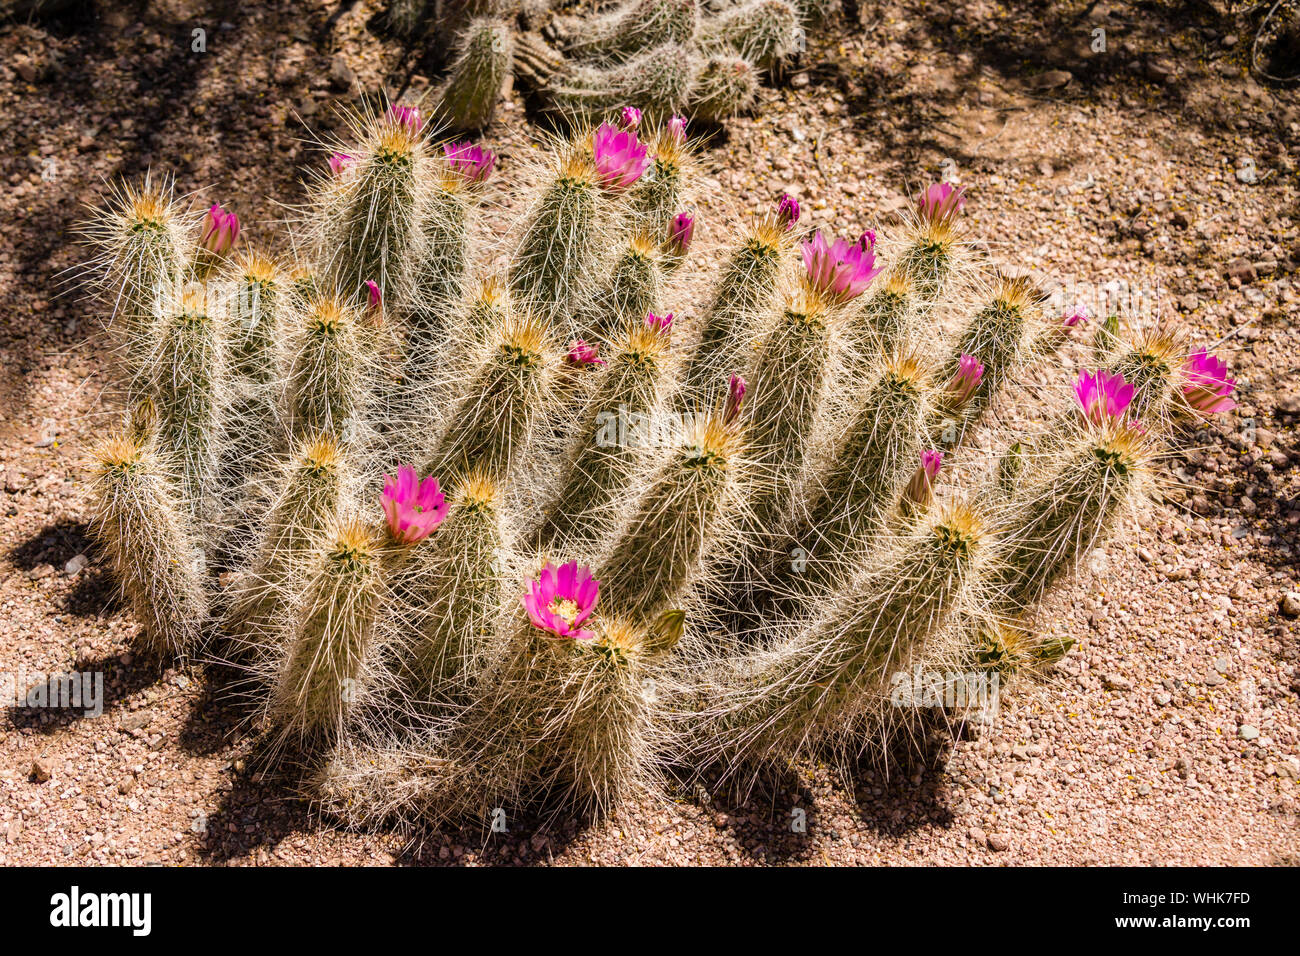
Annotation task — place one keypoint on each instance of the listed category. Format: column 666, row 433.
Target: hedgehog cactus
column 482, row 64
column 547, row 611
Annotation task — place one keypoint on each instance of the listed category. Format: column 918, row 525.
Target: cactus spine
column 148, row 538
column 726, row 86
column 479, row 73
column 610, row 437
column 321, row 677
column 764, row 32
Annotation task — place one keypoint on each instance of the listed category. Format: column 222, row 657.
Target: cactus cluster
column 503, row 524
column 660, row 56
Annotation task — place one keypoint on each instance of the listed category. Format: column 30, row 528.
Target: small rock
column 1247, row 732
column 40, row 772
column 1290, row 604
column 76, row 564
column 15, row 830
column 341, row 74
column 1117, row 682
column 40, row 571
column 1163, row 698
column 977, row 836
column 1051, row 80
column 1145, row 555
column 998, row 843
column 1242, row 270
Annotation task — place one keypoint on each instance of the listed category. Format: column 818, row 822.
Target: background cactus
column 800, row 411
column 661, row 56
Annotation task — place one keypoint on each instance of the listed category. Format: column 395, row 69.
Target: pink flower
column 621, row 158
column 680, row 232
column 1077, row 316
column 1208, row 385
column 412, row 508
column 842, row 271
column 376, row 294
column 561, row 599
column 1102, row 396
column 220, row 230
column 677, row 129
column 474, row 163
column 941, row 202
column 660, row 323
column 629, row 117
column 408, row 116
column 583, row 353
column 787, row 210
column 736, row 389
column 970, row 372
column 868, row 239
column 340, row 161
column 920, row 490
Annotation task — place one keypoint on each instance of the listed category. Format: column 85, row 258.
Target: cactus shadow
column 92, row 593
column 771, row 817
column 533, row 838
column 120, row 682
column 906, row 787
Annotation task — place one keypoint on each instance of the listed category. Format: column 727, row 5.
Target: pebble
column 1247, row 732
column 76, row 564
column 1290, row 604
column 998, row 843
column 40, row 772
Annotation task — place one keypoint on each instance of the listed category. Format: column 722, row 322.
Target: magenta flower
column 660, row 323
column 842, row 271
column 412, row 508
column 680, row 232
column 621, row 158
column 787, row 210
column 220, row 230
column 677, row 129
column 583, row 353
column 1102, row 396
column 474, row 163
column 868, row 240
column 1079, row 315
column 920, row 490
column 561, row 599
column 970, row 372
column 736, row 389
column 1208, row 385
column 376, row 294
column 941, row 202
column 629, row 117
column 408, row 116
column 340, row 161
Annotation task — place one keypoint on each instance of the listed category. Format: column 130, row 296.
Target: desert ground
column 1161, row 163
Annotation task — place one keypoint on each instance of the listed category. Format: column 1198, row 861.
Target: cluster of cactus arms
column 527, row 523
column 661, row 56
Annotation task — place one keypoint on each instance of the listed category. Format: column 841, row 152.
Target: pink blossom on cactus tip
column 787, row 210
column 1102, row 396
column 736, row 389
column 970, row 372
column 920, row 490
column 220, row 230
column 408, row 116
column 376, row 294
column 561, row 599
column 629, row 117
column 941, row 202
column 1208, row 385
column 412, row 508
column 659, row 323
column 583, row 353
column 620, row 157
column 474, row 163
column 841, row 271
column 680, row 232
column 339, row 162
column 1079, row 315
column 867, row 240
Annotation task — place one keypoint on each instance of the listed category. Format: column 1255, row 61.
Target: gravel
column 1140, row 748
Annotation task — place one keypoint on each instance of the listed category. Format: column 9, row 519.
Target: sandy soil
column 1168, row 735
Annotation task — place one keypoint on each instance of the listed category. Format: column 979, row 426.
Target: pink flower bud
column 970, row 372
column 1076, row 316
column 474, row 163
column 677, row 129
column 408, row 116
column 680, row 231
column 1102, row 396
column 736, row 389
column 339, row 162
column 376, row 295
column 1208, row 385
column 220, row 230
column 629, row 118
column 787, row 210
column 660, row 323
column 583, row 354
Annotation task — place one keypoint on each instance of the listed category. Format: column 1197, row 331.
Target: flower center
column 564, row 609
